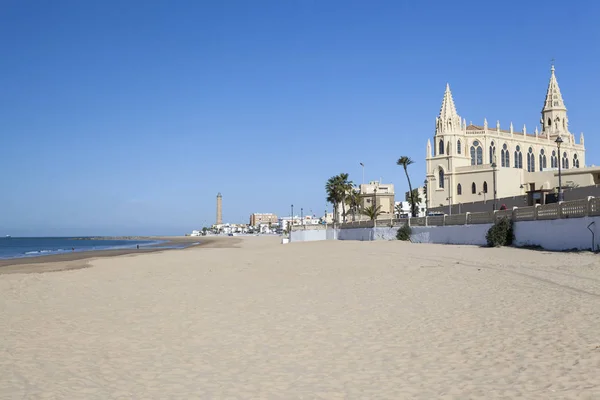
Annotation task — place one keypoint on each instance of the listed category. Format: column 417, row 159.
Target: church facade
column 465, row 162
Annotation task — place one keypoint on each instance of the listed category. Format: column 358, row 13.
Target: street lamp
column 558, row 142
column 302, row 216
column 494, row 175
column 291, row 222
column 363, row 168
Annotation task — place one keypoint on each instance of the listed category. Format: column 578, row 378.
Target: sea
column 19, row 247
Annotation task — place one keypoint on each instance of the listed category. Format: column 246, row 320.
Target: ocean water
column 33, row 247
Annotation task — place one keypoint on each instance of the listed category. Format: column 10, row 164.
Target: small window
column 473, row 188
column 458, row 148
column 441, row 147
column 459, row 189
column 441, row 179
column 485, row 187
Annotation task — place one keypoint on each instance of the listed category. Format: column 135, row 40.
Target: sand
column 322, row 320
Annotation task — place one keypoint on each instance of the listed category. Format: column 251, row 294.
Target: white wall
column 456, row 234
column 385, row 232
column 355, row 234
column 558, row 234
column 309, row 235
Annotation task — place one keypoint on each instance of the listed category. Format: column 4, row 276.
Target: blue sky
column 128, row 117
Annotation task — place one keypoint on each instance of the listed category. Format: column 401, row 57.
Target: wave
column 44, row 251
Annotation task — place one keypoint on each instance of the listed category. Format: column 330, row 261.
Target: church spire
column 448, row 120
column 554, row 100
column 554, row 114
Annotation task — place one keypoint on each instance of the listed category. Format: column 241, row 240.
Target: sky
column 128, row 117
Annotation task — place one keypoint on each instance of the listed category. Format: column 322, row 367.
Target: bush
column 501, row 234
column 403, row 233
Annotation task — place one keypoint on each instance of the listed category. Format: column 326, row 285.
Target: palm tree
column 417, row 200
column 336, row 188
column 398, row 209
column 372, row 212
column 353, row 200
column 405, row 161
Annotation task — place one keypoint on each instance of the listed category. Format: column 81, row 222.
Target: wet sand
column 77, row 260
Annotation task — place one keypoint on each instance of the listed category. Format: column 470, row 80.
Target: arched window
column 553, row 160
column 518, row 157
column 459, row 189
column 565, row 161
column 530, row 161
column 505, row 156
column 492, row 152
column 441, row 179
column 441, row 147
column 575, row 161
column 458, row 147
column 473, row 188
column 542, row 160
column 448, row 147
column 476, row 153
column 549, row 122
column 484, row 187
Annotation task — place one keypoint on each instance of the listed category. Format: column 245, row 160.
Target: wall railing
column 589, row 207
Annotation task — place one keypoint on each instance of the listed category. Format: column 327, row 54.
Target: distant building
column 257, row 219
column 403, row 207
column 379, row 194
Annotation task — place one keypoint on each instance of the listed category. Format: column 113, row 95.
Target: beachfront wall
column 309, row 235
column 459, row 234
column 558, row 226
column 559, row 234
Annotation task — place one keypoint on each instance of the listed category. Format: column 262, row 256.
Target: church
column 466, row 163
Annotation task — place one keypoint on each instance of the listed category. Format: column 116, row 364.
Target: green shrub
column 501, row 233
column 403, row 233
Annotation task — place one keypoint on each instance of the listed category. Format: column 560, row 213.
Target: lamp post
column 494, row 175
column 291, row 222
column 363, row 168
column 558, row 142
column 302, row 216
column 375, row 206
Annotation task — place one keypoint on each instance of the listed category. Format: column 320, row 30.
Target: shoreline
column 78, row 260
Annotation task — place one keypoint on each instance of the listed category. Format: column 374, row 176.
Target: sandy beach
column 253, row 319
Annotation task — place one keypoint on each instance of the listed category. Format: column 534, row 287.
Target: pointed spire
column 536, row 131
column 485, row 125
column 524, row 130
column 428, row 148
column 554, row 100
column 511, row 128
column 448, row 109
column 448, row 118
column 581, row 138
column 498, row 126
column 464, row 124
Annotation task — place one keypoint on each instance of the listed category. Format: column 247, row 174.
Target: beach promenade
column 250, row 318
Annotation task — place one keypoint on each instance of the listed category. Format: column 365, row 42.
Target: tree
column 405, row 161
column 398, row 209
column 336, row 190
column 353, row 200
column 414, row 196
column 372, row 212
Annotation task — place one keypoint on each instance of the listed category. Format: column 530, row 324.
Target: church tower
column 554, row 119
